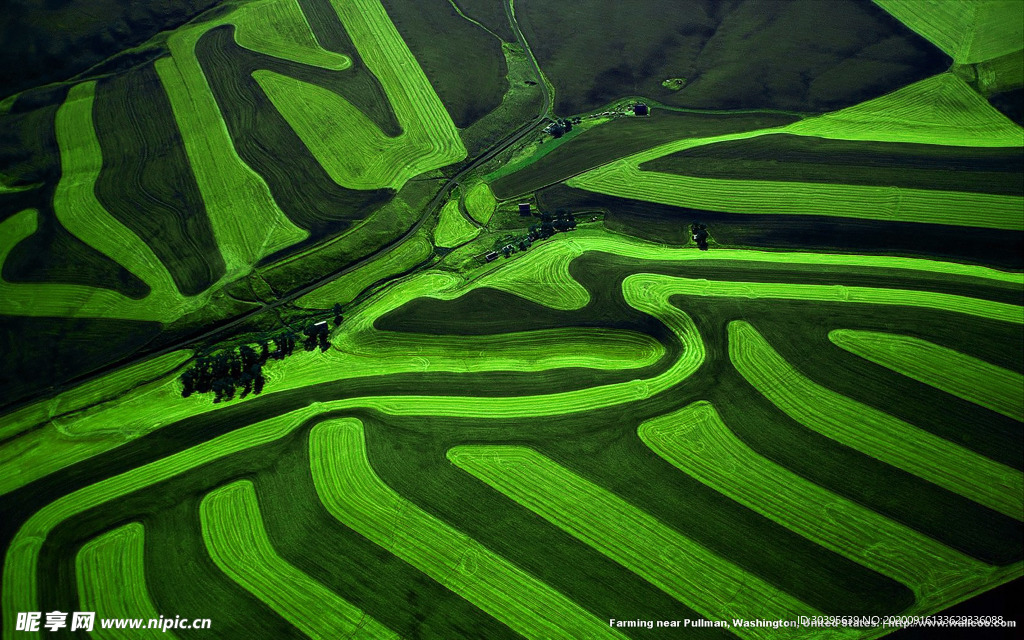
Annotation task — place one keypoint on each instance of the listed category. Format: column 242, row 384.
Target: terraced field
column 608, row 433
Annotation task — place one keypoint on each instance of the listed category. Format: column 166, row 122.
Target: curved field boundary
column 544, row 278
column 279, row 28
column 348, row 287
column 61, row 444
column 871, row 431
column 245, row 219
column 234, row 535
column 969, row 32
column 452, row 228
column 90, row 394
column 21, row 562
column 111, row 577
column 356, row 496
column 625, row 179
column 79, row 211
column 702, row 580
column 141, row 413
column 480, row 202
column 349, row 146
column 697, row 442
column 942, row 110
column 955, row 373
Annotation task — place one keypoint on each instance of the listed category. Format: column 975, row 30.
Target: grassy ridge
column 939, row 110
column 968, row 31
column 964, row 376
column 343, row 290
column 871, row 431
column 695, row 440
column 328, row 124
column 628, row 535
column 111, row 581
column 355, row 495
column 145, row 181
column 479, row 202
column 238, row 543
column 804, row 55
column 452, row 228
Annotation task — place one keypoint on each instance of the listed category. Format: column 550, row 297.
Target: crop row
column 696, row 441
column 349, row 146
column 624, row 179
column 356, row 496
column 139, row 413
column 956, row 373
column 111, row 577
column 871, row 431
column 238, row 543
column 687, row 571
column 20, row 577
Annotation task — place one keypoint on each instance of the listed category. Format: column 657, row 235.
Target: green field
column 282, row 357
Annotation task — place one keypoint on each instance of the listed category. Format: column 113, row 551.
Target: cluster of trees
column 700, row 235
column 561, row 127
column 549, row 226
column 224, row 373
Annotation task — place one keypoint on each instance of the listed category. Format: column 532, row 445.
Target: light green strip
column 690, row 573
column 624, row 179
column 350, row 147
column 544, row 278
column 480, row 202
column 93, row 393
column 452, row 227
column 20, row 590
column 357, row 497
column 75, row 201
column 81, row 213
column 234, row 535
column 246, row 221
column 1000, row 311
column 696, row 441
column 279, row 28
column 956, row 373
column 111, row 577
column 871, row 431
column 969, row 31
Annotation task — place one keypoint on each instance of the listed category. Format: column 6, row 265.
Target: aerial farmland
column 494, row 319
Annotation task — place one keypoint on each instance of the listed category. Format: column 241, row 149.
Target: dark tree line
column 225, row 372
